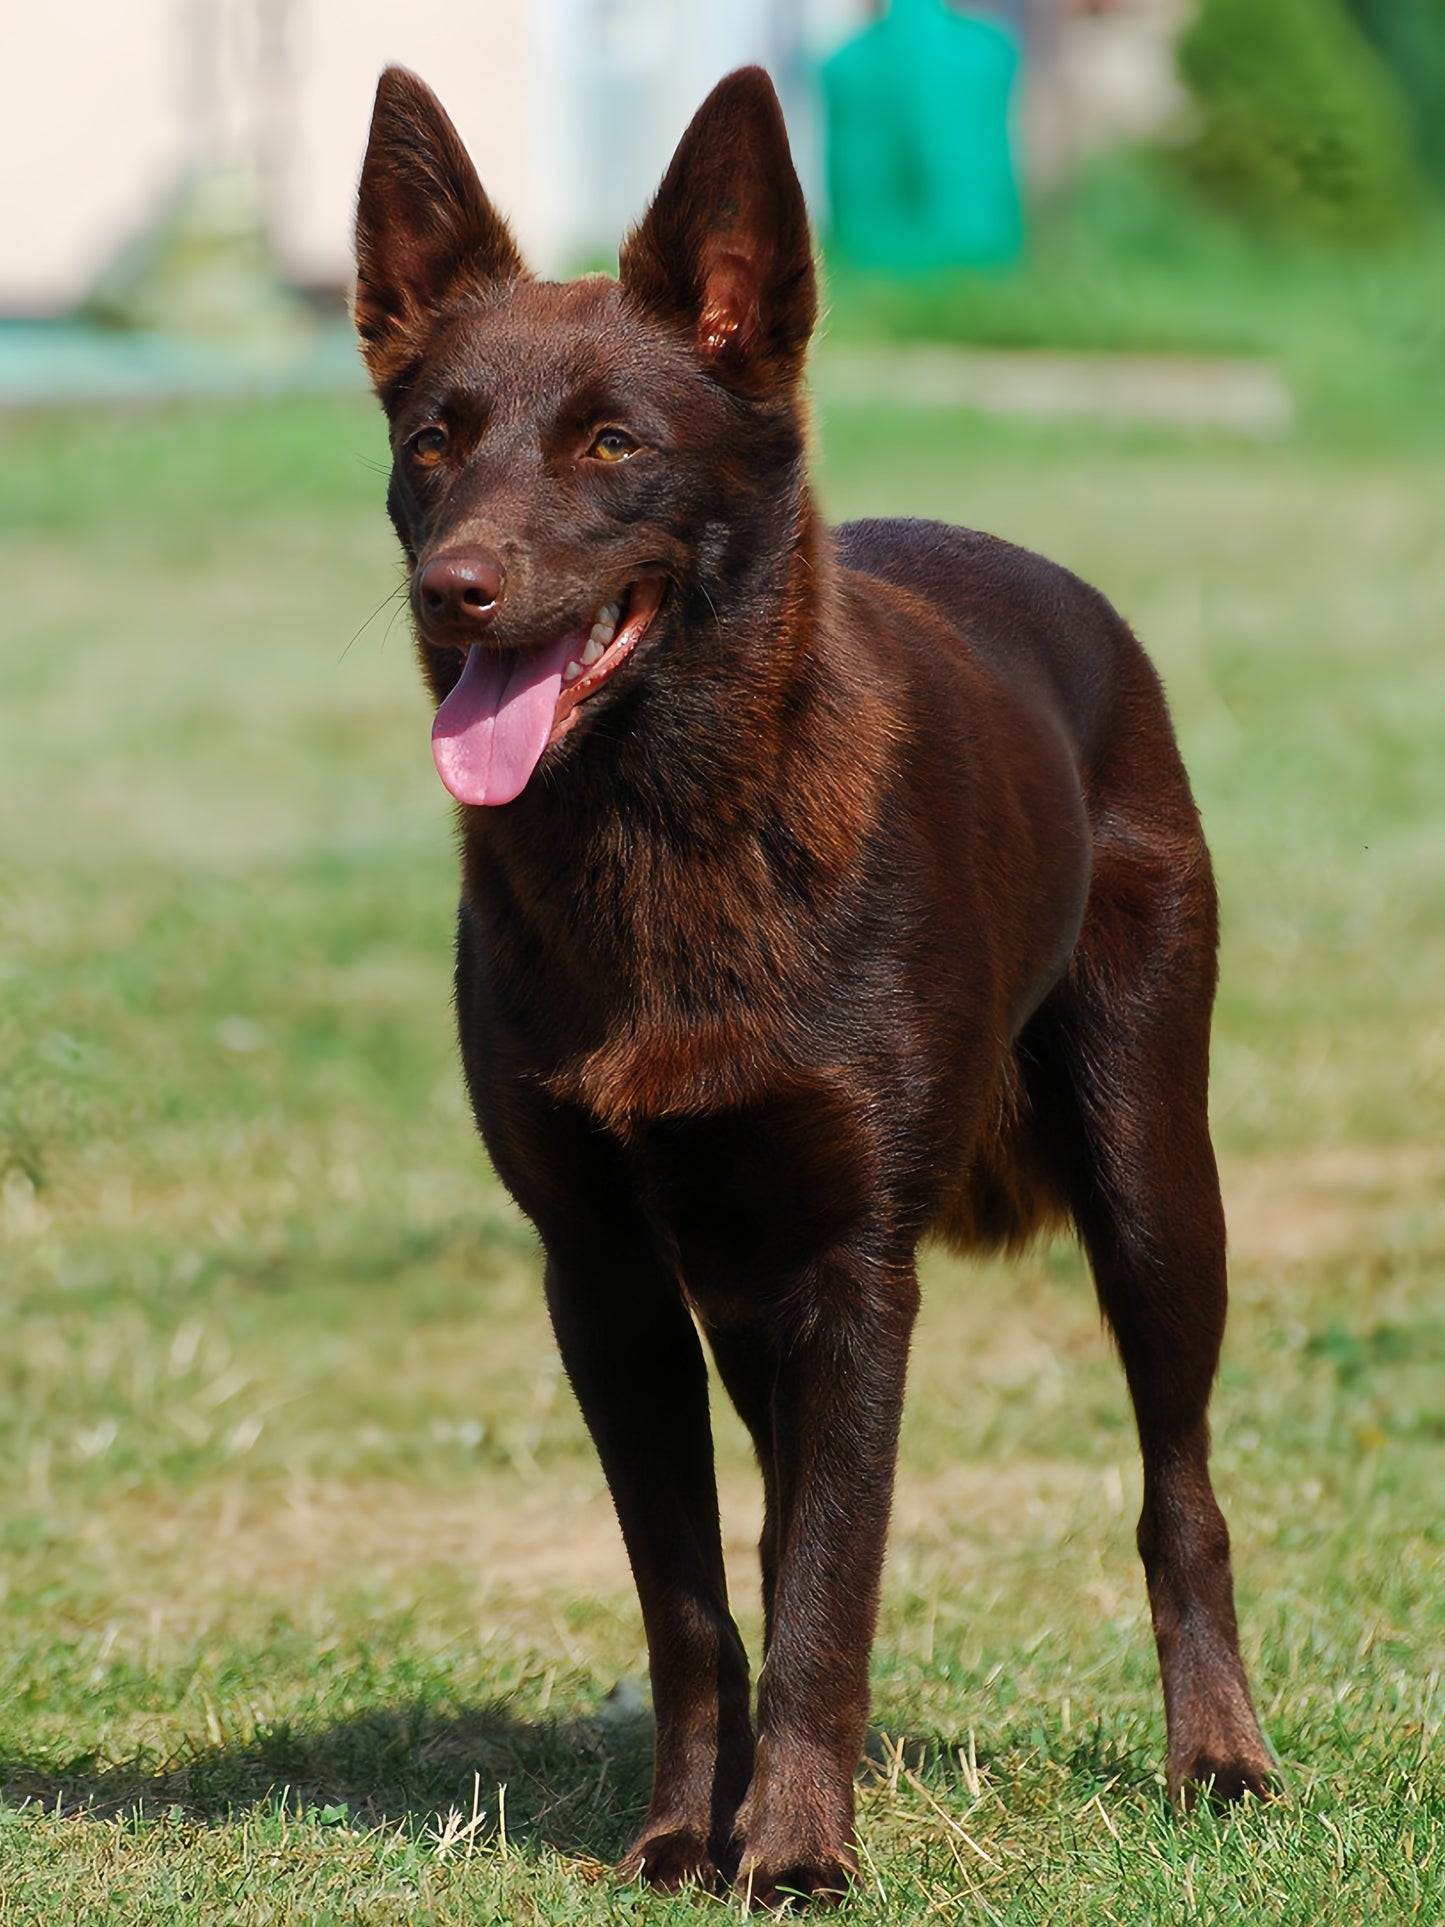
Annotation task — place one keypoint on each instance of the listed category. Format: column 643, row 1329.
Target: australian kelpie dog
column 820, row 890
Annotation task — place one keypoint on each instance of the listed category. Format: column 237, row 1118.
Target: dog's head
column 583, row 468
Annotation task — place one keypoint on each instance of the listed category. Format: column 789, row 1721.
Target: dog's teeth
column 596, row 646
column 609, row 614
column 572, row 672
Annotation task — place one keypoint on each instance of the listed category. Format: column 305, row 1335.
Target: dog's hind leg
column 1126, row 1036
column 636, row 1364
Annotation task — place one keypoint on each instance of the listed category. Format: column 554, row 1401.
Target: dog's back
column 1046, row 635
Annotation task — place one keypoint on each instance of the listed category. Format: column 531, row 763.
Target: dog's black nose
column 454, row 595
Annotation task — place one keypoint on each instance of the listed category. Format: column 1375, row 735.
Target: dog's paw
column 794, row 1835
column 672, row 1857
column 1216, row 1750
column 1221, row 1773
column 795, row 1874
column 810, row 1879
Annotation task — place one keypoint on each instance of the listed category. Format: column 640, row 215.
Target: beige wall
column 477, row 57
column 570, row 107
column 99, row 104
column 88, row 136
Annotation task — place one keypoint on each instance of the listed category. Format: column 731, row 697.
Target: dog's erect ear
column 423, row 224
column 725, row 247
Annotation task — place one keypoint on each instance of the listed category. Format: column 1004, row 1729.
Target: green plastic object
column 921, row 170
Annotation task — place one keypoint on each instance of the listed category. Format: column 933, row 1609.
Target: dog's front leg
column 633, row 1356
column 837, row 1398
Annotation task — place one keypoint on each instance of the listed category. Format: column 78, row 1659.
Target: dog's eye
column 612, row 445
column 428, row 445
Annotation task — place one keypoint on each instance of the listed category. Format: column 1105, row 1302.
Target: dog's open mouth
column 510, row 705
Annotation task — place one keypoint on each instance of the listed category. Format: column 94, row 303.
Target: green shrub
column 1410, row 35
column 1302, row 128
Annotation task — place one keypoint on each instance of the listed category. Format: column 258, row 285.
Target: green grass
column 304, row 1558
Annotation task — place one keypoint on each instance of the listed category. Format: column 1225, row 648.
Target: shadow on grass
column 579, row 1786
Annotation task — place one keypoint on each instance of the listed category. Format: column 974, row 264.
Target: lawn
column 313, row 1605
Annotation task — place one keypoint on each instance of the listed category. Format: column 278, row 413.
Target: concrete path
column 1169, row 390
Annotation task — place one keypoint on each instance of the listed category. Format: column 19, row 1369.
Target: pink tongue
column 490, row 732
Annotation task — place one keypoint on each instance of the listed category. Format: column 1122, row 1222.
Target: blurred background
column 1157, row 173
column 1156, row 287
column 1142, row 174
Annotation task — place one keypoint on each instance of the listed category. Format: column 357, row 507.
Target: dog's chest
column 655, row 981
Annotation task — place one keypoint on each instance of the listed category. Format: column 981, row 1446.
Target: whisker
column 399, row 590
column 391, row 624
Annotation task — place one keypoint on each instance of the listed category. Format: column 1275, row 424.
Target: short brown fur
column 866, row 899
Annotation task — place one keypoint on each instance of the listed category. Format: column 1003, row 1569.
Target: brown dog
column 820, row 891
